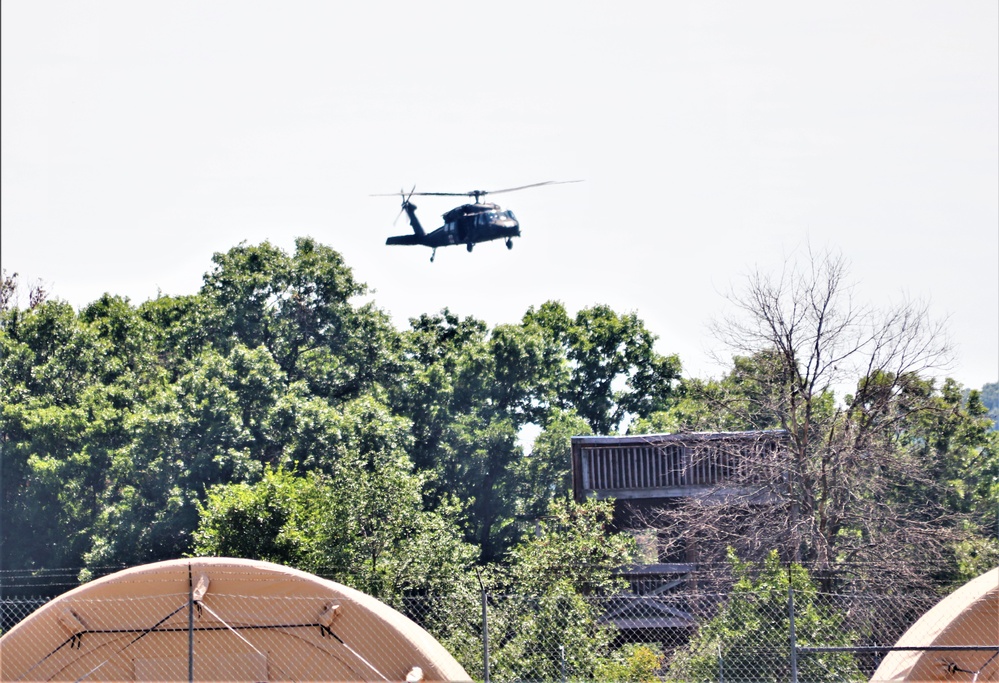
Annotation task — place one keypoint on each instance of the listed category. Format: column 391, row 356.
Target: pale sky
column 714, row 138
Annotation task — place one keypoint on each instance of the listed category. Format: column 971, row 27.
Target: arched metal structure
column 220, row 619
column 952, row 637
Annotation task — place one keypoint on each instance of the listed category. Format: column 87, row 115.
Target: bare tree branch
column 841, row 488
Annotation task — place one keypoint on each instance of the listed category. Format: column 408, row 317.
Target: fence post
column 485, row 628
column 721, row 666
column 790, row 618
column 190, row 625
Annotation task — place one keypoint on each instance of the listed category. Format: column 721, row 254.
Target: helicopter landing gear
column 469, row 247
column 432, row 254
column 509, row 243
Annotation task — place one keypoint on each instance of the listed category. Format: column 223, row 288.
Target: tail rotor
column 405, row 201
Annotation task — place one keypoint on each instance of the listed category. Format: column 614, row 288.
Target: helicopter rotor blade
column 482, row 193
column 524, row 187
column 399, row 215
column 400, row 193
column 473, row 193
column 444, row 194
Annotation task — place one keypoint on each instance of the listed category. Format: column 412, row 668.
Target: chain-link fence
column 15, row 609
column 683, row 635
column 688, row 636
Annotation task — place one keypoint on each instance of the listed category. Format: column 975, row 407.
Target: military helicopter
column 467, row 224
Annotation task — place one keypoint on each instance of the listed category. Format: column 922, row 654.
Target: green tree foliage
column 741, row 400
column 545, row 475
column 364, row 526
column 990, row 399
column 463, row 421
column 546, row 623
column 749, row 638
column 277, row 519
column 68, row 389
column 483, row 454
column 469, row 391
column 614, row 370
column 575, row 546
column 955, row 434
column 542, row 623
column 955, row 437
column 300, row 308
column 127, row 428
column 181, row 329
column 441, row 352
column 633, row 663
column 117, row 420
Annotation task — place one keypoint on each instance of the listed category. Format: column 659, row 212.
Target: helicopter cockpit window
column 487, row 217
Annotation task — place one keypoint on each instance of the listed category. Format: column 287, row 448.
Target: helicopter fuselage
column 468, row 224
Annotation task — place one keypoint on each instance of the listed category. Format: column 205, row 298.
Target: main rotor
column 474, row 193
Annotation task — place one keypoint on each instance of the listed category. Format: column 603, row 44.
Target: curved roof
column 249, row 620
column 967, row 617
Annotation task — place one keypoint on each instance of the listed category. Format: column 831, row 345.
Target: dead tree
column 841, row 489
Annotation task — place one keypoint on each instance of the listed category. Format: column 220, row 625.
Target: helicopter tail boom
column 405, row 239
column 414, row 222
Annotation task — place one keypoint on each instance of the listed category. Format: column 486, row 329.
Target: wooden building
column 652, row 472
column 661, row 467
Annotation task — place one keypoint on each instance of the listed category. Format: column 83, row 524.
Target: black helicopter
column 467, row 224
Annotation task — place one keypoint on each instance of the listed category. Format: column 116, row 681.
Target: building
column 648, row 473
column 656, row 469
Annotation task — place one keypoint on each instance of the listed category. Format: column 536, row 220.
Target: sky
column 713, row 139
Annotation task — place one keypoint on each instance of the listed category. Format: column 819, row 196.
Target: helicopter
column 467, row 224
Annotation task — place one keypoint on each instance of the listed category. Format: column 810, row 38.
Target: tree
column 8, row 290
column 300, row 307
column 547, row 615
column 461, row 436
column 117, row 420
column 467, row 394
column 480, row 471
column 633, row 663
column 844, row 488
column 990, row 399
column 277, row 519
column 749, row 638
column 59, row 428
column 364, row 525
column 445, row 359
column 614, row 370
column 957, row 441
column 545, row 476
column 575, row 545
column 182, row 328
column 202, row 430
column 956, row 436
column 469, row 391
